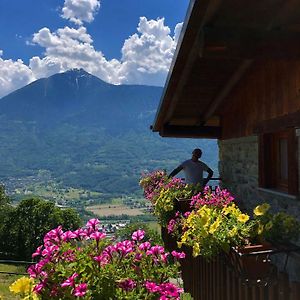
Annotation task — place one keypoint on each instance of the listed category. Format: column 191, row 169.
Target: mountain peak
column 78, row 71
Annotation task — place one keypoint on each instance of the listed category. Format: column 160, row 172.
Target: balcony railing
column 218, row 280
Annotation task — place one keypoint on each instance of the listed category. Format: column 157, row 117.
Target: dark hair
column 198, row 151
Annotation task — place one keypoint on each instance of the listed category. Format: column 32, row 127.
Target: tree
column 23, row 229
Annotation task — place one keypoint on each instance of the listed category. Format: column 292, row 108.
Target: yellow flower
column 233, row 232
column 196, row 249
column 184, row 237
column 226, row 210
column 269, row 225
column 243, row 218
column 260, row 229
column 214, row 226
column 32, row 296
column 260, row 210
column 179, row 244
column 21, row 286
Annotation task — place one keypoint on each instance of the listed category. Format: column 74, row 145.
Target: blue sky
column 129, row 41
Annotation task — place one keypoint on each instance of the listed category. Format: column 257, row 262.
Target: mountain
column 87, row 133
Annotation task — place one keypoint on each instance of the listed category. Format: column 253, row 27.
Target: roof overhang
column 219, row 42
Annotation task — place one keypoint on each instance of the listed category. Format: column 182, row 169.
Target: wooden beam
column 280, row 123
column 226, row 89
column 209, row 132
column 186, row 53
column 244, row 43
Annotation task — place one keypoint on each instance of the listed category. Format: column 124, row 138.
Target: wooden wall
column 270, row 89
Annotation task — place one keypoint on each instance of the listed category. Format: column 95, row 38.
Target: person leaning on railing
column 193, row 169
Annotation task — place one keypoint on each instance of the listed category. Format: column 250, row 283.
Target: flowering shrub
column 220, row 197
column 162, row 192
column 214, row 223
column 86, row 264
column 211, row 229
column 152, row 183
column 276, row 228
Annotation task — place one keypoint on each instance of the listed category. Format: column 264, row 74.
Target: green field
column 6, row 280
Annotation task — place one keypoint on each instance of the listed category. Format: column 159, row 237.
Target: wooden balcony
column 218, row 280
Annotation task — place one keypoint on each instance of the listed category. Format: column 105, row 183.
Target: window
column 278, row 164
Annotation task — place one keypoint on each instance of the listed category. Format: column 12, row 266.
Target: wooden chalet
column 235, row 77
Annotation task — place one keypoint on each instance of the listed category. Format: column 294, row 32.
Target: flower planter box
column 253, row 264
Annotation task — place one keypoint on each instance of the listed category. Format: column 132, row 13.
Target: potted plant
column 86, row 264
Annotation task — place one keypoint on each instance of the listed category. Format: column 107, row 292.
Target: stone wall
column 239, row 169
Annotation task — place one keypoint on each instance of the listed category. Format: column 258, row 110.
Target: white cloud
column 79, row 11
column 146, row 56
column 13, row 75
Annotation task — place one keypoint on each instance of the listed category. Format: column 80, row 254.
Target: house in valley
column 235, row 77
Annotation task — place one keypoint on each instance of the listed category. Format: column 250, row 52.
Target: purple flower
column 37, row 252
column 50, row 251
column 178, row 255
column 40, row 286
column 155, row 250
column 127, row 284
column 80, row 290
column 170, row 290
column 152, row 287
column 93, row 223
column 138, row 235
column 70, row 281
column 54, row 236
column 102, row 259
column 80, row 233
column 144, row 246
column 68, row 235
column 97, row 235
column 171, row 225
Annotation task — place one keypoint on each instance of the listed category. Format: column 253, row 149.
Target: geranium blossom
column 138, row 235
column 80, row 290
column 72, row 264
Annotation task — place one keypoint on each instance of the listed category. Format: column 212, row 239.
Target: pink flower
column 54, row 236
column 171, row 225
column 138, row 257
column 144, row 246
column 170, row 290
column 138, row 235
column 93, row 223
column 37, row 252
column 152, row 287
column 40, row 286
column 80, row 233
column 155, row 250
column 178, row 255
column 97, row 235
column 50, row 251
column 102, row 259
column 68, row 235
column 127, row 284
column 70, row 281
column 80, row 290
column 68, row 255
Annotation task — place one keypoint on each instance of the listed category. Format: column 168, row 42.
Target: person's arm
column 175, row 171
column 209, row 176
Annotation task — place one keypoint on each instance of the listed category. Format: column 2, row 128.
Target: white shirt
column 194, row 171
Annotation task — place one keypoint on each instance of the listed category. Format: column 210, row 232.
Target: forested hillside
column 87, row 133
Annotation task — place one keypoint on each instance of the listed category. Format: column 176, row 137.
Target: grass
column 6, row 280
column 154, row 225
column 102, row 210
